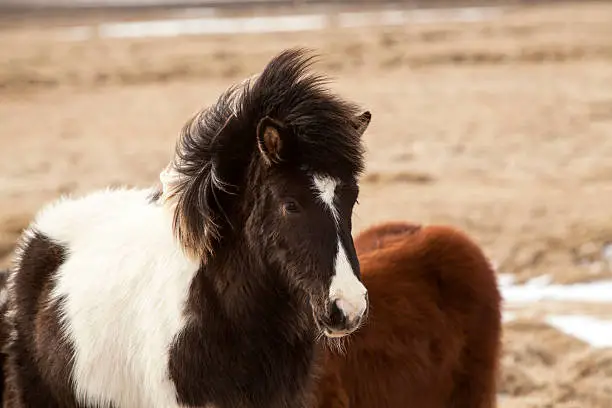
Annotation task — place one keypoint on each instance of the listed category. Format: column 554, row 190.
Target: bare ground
column 502, row 128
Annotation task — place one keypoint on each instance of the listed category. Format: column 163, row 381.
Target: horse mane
column 218, row 145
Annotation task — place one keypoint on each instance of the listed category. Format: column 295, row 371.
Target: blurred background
column 491, row 116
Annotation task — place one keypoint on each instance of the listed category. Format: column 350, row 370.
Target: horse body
column 127, row 257
column 208, row 292
column 433, row 334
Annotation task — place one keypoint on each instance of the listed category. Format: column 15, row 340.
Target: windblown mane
column 217, row 146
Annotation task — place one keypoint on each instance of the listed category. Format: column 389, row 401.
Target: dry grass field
column 501, row 127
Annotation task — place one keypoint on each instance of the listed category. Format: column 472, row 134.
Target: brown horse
column 433, row 334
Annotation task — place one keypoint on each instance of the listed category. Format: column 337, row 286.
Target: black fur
column 38, row 365
column 217, row 147
column 252, row 244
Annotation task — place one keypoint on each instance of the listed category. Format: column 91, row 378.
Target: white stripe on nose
column 346, row 290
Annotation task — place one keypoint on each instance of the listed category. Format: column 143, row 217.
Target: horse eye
column 291, row 206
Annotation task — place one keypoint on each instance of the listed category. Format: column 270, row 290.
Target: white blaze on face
column 345, row 288
column 326, row 188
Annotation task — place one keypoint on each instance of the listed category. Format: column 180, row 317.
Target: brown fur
column 433, row 335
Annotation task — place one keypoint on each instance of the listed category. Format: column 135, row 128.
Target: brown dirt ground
column 502, row 128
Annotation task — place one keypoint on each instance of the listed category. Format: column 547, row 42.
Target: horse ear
column 270, row 140
column 361, row 122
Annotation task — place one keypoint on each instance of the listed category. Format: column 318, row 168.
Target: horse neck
column 240, row 287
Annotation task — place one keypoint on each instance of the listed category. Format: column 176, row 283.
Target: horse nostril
column 336, row 315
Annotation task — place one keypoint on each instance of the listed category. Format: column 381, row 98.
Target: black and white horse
column 212, row 290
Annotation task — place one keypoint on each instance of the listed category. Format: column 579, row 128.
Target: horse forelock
column 217, row 145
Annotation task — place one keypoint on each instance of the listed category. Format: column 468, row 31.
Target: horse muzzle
column 345, row 315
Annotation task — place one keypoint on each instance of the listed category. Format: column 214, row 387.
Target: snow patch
column 505, row 279
column 596, row 332
column 285, row 23
column 539, row 289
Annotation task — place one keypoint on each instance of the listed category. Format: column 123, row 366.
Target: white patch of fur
column 125, row 283
column 326, row 190
column 169, row 178
column 3, row 296
column 349, row 292
column 346, row 288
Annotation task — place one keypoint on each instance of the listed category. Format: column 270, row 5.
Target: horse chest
column 233, row 371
